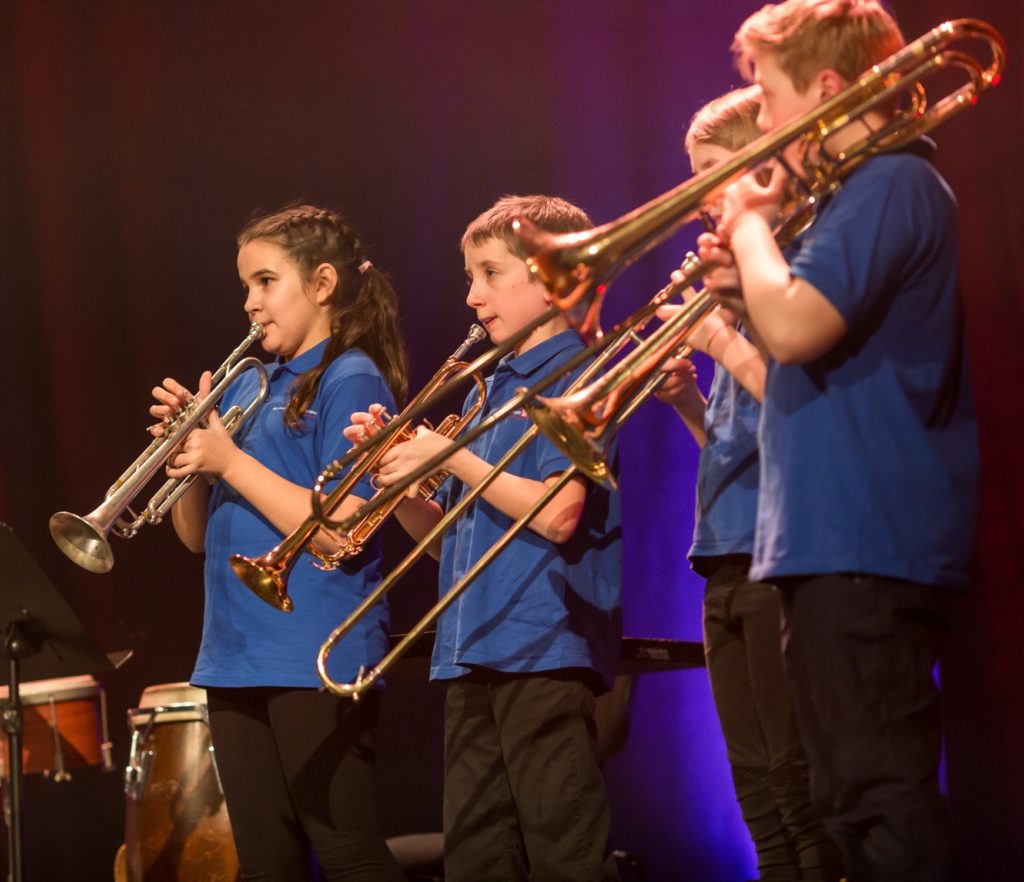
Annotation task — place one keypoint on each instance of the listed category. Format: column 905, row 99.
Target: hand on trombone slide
column 208, row 449
column 754, row 198
column 722, row 279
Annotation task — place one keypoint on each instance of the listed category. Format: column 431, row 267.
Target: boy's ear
column 829, row 84
column 545, row 293
column 325, row 280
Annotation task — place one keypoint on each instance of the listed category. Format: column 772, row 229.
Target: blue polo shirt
column 246, row 642
column 539, row 606
column 869, row 458
column 727, row 475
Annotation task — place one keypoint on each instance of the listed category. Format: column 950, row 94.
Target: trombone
column 582, row 424
column 267, row 576
column 617, row 339
column 84, row 538
column 577, row 268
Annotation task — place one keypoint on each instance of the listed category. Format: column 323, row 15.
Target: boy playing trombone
column 524, row 652
column 867, row 441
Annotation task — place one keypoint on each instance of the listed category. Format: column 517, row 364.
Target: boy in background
column 741, row 617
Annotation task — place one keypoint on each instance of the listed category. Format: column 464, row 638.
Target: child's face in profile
column 278, row 298
column 781, row 101
column 505, row 296
column 704, row 156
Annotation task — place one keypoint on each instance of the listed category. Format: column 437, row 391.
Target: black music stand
column 42, row 639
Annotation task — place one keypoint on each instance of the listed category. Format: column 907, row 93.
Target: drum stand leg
column 59, row 772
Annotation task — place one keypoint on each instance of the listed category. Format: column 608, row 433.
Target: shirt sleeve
column 876, row 228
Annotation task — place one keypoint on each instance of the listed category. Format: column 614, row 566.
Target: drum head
column 59, row 689
column 175, row 702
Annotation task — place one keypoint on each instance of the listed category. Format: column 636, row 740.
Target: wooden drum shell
column 176, row 821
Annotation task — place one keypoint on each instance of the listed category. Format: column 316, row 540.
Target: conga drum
column 176, row 822
column 65, row 726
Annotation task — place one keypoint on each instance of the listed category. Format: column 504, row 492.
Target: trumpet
column 84, row 538
column 577, row 268
column 267, row 576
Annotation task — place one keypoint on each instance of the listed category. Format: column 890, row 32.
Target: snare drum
column 176, row 822
column 65, row 726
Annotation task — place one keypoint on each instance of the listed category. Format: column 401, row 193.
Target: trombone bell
column 82, row 541
column 265, row 583
column 563, row 427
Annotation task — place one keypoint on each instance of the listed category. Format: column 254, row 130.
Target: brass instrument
column 612, row 345
column 582, row 424
column 84, row 538
column 578, row 267
column 267, row 576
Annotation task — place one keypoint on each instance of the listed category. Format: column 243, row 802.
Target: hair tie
column 364, row 266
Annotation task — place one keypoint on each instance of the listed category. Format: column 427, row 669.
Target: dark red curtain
column 135, row 140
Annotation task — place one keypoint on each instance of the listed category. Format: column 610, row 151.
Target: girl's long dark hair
column 363, row 307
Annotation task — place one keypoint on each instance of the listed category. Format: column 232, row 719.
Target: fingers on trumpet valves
column 362, row 427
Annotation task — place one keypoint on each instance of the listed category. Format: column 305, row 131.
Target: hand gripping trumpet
column 577, row 268
column 84, row 538
column 267, row 576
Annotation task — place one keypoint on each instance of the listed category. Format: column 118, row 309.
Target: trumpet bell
column 82, row 541
column 266, row 584
column 565, row 430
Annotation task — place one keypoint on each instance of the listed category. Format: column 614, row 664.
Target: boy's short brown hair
column 729, row 121
column 547, row 212
column 808, row 36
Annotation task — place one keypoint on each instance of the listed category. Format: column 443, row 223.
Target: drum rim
column 39, row 692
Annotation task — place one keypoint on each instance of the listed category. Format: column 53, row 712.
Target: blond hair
column 547, row 212
column 805, row 37
column 729, row 121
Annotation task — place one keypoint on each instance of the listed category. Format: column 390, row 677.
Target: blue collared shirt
column 246, row 642
column 539, row 606
column 728, row 472
column 869, row 460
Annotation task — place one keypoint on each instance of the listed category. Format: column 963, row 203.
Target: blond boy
column 867, row 439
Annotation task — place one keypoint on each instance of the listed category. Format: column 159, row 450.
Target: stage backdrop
column 137, row 138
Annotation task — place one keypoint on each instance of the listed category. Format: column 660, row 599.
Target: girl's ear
column 325, row 280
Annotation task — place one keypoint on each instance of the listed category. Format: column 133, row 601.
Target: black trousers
column 297, row 770
column 743, row 649
column 523, row 794
column 860, row 651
